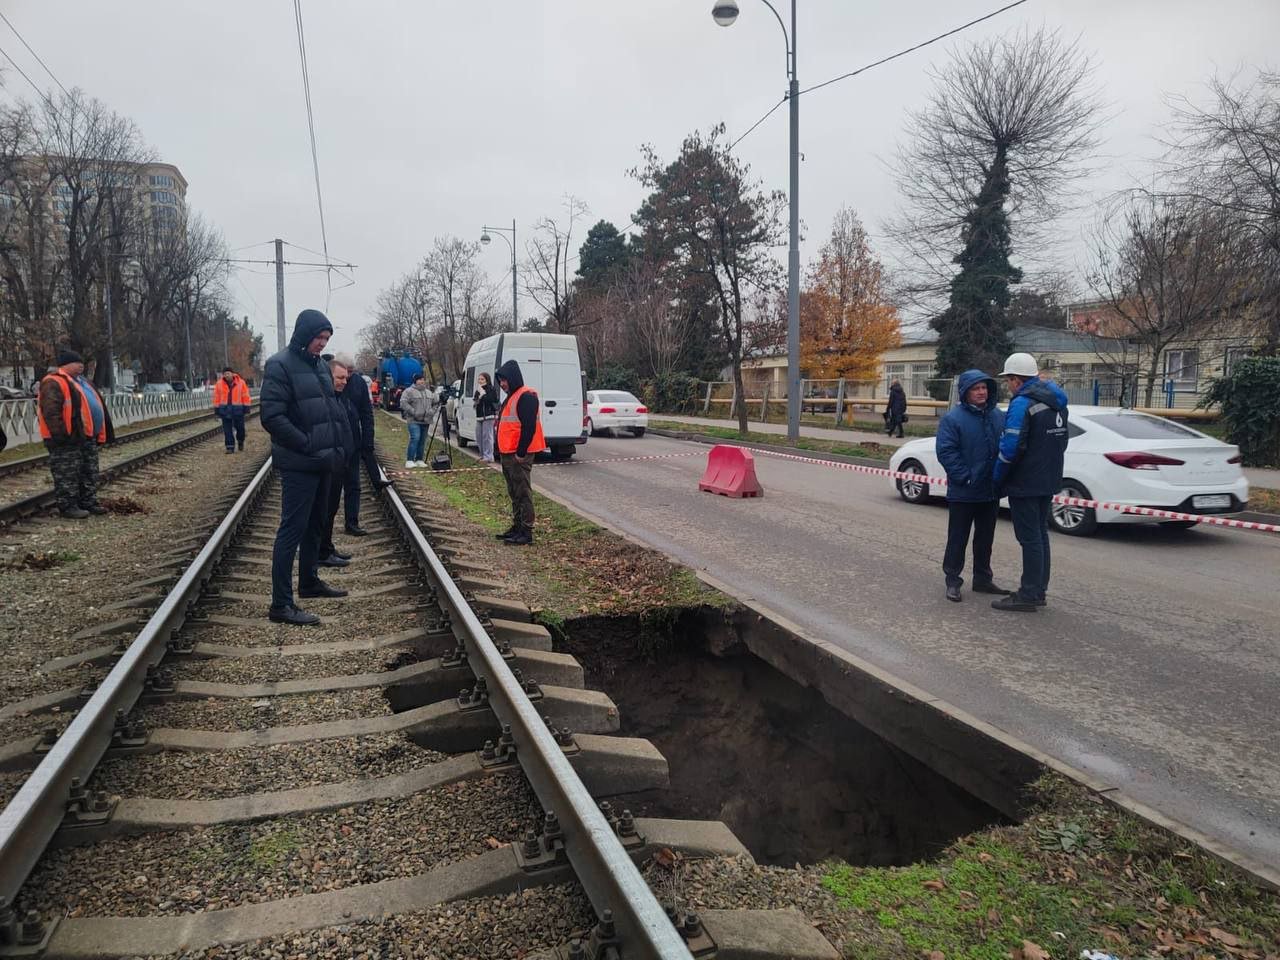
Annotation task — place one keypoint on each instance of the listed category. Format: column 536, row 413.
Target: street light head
column 485, row 238
column 725, row 12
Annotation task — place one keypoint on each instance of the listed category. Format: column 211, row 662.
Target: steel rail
column 611, row 881
column 39, row 460
column 34, row 815
column 37, row 502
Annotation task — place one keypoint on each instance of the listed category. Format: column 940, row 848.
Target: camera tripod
column 445, row 460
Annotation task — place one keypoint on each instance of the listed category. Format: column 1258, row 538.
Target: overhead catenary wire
column 311, row 129
column 23, row 41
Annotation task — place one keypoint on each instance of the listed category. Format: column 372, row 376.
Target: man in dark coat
column 307, row 427
column 1028, row 471
column 330, row 556
column 895, row 412
column 356, row 394
column 967, row 443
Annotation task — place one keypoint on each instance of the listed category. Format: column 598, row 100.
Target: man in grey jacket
column 418, row 407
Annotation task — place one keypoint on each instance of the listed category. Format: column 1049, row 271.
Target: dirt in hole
column 796, row 781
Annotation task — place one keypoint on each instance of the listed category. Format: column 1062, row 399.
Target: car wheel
column 591, row 428
column 462, row 441
column 913, row 491
column 638, row 431
column 1073, row 520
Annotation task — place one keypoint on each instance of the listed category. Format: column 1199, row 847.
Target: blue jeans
column 304, row 501
column 233, row 430
column 1031, row 527
column 417, row 439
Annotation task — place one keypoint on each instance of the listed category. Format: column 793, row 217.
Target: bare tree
column 1227, row 155
column 203, row 269
column 1166, row 270
column 657, row 325
column 1009, row 122
column 548, row 274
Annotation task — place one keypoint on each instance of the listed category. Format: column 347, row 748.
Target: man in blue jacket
column 968, row 439
column 1029, row 472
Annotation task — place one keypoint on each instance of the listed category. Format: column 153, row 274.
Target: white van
column 550, row 366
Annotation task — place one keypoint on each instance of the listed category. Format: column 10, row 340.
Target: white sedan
column 1118, row 456
column 615, row 410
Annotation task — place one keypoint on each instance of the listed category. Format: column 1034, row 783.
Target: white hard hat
column 1020, row 365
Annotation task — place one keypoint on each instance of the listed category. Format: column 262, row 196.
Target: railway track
column 234, row 781
column 29, row 493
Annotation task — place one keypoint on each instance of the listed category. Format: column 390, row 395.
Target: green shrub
column 1250, row 402
column 617, row 377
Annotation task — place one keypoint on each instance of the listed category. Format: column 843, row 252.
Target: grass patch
column 40, row 561
column 575, row 568
column 864, row 449
column 1077, row 874
column 268, row 852
column 1264, row 500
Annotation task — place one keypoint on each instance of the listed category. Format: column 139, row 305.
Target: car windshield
column 1139, row 426
column 614, row 396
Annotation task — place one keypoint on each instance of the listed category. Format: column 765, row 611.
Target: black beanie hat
column 67, row 355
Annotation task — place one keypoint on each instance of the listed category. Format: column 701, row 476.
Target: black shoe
column 74, row 513
column 1014, row 602
column 990, row 587
column 354, row 530
column 241, row 448
column 383, row 484
column 333, row 560
column 97, row 509
column 953, row 594
column 339, row 554
column 292, row 615
column 231, row 449
column 507, row 533
column 320, row 589
column 1041, row 602
column 519, row 539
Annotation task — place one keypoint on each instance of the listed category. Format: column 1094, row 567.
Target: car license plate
column 1211, row 500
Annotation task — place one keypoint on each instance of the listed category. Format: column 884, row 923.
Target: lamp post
column 486, row 240
column 725, row 12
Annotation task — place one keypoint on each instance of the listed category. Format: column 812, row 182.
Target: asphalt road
column 1155, row 666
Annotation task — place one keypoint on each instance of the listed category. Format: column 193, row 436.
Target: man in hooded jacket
column 519, row 437
column 308, row 428
column 967, row 444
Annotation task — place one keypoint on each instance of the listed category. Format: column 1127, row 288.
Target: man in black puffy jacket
column 307, row 430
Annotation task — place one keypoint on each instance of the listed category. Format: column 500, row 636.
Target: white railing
column 18, row 417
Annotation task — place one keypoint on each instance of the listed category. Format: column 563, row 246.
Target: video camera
column 448, row 392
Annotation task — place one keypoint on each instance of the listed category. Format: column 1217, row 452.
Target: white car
column 615, row 410
column 1118, row 456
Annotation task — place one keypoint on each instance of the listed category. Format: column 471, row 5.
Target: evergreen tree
column 602, row 255
column 974, row 329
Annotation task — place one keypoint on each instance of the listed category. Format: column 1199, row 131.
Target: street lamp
column 725, row 12
column 486, row 240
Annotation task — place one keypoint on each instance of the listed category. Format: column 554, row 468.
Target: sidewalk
column 1258, row 476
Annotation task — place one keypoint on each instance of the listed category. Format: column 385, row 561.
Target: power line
column 34, row 54
column 311, row 128
column 758, row 122
column 25, row 77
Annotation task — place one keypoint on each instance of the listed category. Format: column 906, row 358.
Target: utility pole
column 280, row 341
column 515, row 322
column 111, row 341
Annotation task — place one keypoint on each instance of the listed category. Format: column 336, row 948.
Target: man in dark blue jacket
column 968, row 440
column 1029, row 472
column 307, row 430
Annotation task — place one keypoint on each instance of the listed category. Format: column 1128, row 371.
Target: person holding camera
column 486, row 401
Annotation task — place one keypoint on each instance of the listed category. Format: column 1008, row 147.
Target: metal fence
column 18, row 417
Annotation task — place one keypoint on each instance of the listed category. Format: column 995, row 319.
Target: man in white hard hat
column 1028, row 471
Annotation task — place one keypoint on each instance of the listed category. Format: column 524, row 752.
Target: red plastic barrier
column 731, row 472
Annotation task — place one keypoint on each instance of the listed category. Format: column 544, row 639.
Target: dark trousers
column 519, row 477
column 893, row 423
column 339, row 489
column 351, row 490
column 371, row 467
column 233, row 431
column 1031, row 527
column 74, row 467
column 961, row 517
column 304, row 498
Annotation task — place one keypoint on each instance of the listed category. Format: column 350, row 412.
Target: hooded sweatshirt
column 968, row 441
column 299, row 408
column 526, row 407
column 1033, row 446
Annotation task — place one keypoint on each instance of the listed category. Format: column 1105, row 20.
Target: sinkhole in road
column 796, row 780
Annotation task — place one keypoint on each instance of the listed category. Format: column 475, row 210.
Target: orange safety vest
column 509, row 426
column 68, row 422
column 237, row 392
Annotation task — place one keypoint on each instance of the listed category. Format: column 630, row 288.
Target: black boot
column 293, row 616
column 511, row 531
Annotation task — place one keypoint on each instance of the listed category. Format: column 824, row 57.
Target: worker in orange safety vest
column 519, row 438
column 231, row 403
column 74, row 422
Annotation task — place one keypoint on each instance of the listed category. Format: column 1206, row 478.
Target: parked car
column 157, row 389
column 13, row 393
column 1119, row 456
column 178, row 386
column 615, row 410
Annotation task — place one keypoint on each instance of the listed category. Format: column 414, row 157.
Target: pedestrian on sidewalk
column 330, row 555
column 519, row 438
column 74, row 422
column 486, row 401
column 895, row 412
column 417, row 406
column 967, row 444
column 231, row 403
column 301, row 413
column 1028, row 471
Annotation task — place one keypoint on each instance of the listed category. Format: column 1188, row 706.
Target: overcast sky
column 433, row 118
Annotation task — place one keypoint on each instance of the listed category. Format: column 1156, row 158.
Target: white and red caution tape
column 1215, row 521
